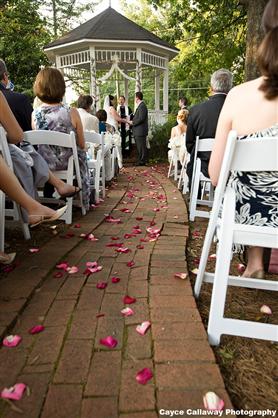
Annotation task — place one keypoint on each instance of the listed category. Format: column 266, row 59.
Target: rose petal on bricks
column 127, row 312
column 91, row 264
column 144, row 375
column 115, row 279
column 140, row 247
column 34, row 250
column 72, row 270
column 112, row 220
column 114, row 238
column 14, row 392
column 265, row 309
column 62, row 266
column 91, row 237
column 130, row 264
column 139, row 218
column 125, row 210
column 143, row 240
column 175, row 217
column 143, row 328
column 109, row 341
column 182, row 276
column 240, row 268
column 124, row 250
column 152, row 223
column 12, row 340
column 128, row 300
column 101, row 285
column 195, row 271
column 77, row 226
column 195, row 233
column 58, row 274
column 212, row 402
column 196, row 261
column 156, row 209
column 99, row 315
column 36, row 329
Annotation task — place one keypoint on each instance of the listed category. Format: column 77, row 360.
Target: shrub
column 159, row 136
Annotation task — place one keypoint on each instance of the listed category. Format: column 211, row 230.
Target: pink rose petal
column 123, row 250
column 125, row 210
column 139, row 218
column 12, row 340
column 127, row 311
column 109, row 342
column 240, row 268
column 212, row 257
column 58, row 274
column 182, row 276
column 77, row 226
column 15, row 392
column 112, row 220
column 156, row 209
column 130, row 264
column 212, row 402
column 34, row 250
column 100, row 315
column 265, row 309
column 114, row 238
column 144, row 375
column 143, row 328
column 140, row 247
column 196, row 261
column 143, row 240
column 36, row 329
column 72, row 270
column 152, row 223
column 128, row 300
column 195, row 233
column 91, row 237
column 91, row 264
column 115, row 279
column 101, row 285
column 62, row 266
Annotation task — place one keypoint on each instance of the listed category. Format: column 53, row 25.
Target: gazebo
column 108, row 43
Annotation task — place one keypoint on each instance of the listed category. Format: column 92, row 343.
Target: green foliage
column 159, row 136
column 23, row 36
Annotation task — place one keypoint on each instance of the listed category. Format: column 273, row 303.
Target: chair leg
column 223, row 260
column 194, row 195
column 170, row 167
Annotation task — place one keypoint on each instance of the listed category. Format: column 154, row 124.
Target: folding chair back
column 44, row 137
column 97, row 164
column 198, row 180
column 247, row 155
column 14, row 212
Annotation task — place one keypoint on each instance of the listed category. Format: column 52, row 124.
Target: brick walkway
column 70, row 375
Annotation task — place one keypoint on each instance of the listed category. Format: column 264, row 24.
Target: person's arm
column 116, row 116
column 219, row 144
column 9, row 122
column 77, row 124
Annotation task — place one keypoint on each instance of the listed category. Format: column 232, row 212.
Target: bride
column 113, row 118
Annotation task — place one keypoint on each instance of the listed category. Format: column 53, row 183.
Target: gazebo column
column 138, row 84
column 165, row 88
column 157, row 90
column 126, row 90
column 93, row 76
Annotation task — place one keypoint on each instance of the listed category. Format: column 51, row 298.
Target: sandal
column 71, row 194
column 52, row 218
column 4, row 260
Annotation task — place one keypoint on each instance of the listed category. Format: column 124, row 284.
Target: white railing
column 154, row 60
column 108, row 55
column 74, row 59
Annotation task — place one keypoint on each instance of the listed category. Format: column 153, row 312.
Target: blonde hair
column 50, row 85
column 183, row 115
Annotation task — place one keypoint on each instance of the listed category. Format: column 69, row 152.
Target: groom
column 140, row 128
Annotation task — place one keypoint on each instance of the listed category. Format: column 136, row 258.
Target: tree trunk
column 254, row 35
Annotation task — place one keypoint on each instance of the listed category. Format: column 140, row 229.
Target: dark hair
column 84, row 102
column 111, row 98
column 101, row 115
column 50, row 85
column 183, row 99
column 139, row 95
column 267, row 56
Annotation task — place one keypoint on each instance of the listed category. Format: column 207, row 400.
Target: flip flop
column 45, row 219
column 72, row 194
column 5, row 261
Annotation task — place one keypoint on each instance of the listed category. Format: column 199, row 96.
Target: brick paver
column 68, row 372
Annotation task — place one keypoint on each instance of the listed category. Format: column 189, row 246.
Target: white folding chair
column 43, row 137
column 183, row 177
column 14, row 213
column 96, row 163
column 2, row 221
column 244, row 156
column 198, row 180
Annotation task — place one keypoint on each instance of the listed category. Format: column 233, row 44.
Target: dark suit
column 140, row 131
column 20, row 106
column 202, row 122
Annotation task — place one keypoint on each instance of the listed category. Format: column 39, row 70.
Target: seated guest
column 177, row 139
column 53, row 115
column 203, row 117
column 251, row 109
column 84, row 107
column 103, row 125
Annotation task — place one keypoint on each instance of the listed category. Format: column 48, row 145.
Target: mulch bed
column 249, row 367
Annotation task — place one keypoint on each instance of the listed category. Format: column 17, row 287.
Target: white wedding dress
column 115, row 137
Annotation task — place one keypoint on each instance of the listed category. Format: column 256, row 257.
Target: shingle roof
column 110, row 25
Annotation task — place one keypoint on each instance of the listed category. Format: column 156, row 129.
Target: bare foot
column 65, row 189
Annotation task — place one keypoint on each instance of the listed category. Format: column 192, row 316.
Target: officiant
column 125, row 112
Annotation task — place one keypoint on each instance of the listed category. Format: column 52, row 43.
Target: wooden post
column 93, row 75
column 165, row 88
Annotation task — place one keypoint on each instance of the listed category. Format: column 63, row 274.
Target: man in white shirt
column 84, row 107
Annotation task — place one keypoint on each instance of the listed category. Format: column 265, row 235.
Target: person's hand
column 130, row 122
